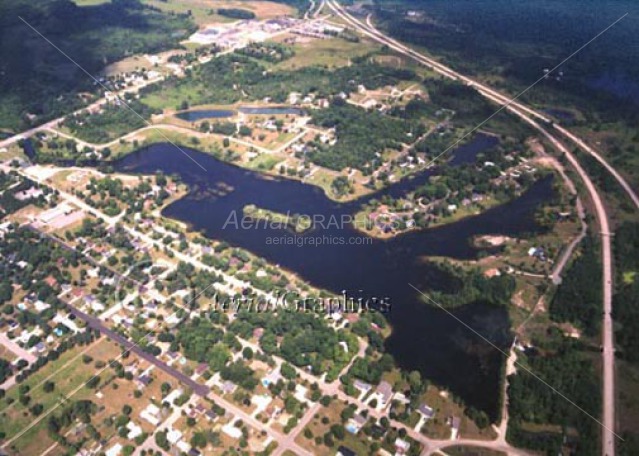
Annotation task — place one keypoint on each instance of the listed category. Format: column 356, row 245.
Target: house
column 173, row 395
column 362, row 387
column 426, row 411
column 134, row 430
column 300, row 393
column 401, row 446
column 382, row 394
column 271, row 378
column 454, row 422
column 261, row 402
column 370, row 103
column 201, row 368
column 143, row 381
column 173, row 436
column 355, row 424
column 183, row 446
column 40, row 347
column 294, row 97
column 115, row 450
column 232, row 431
column 41, row 306
column 152, row 414
column 228, row 387
column 210, row 415
column 30, row 193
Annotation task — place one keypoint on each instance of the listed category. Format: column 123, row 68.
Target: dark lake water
column 199, row 114
column 424, row 337
column 560, row 114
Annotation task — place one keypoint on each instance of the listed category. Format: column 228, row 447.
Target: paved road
column 56, row 122
column 201, row 390
column 97, row 324
column 169, row 127
column 371, row 31
column 608, row 352
column 17, row 349
column 631, row 193
column 522, row 111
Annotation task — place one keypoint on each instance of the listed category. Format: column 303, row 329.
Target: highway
column 629, row 191
column 524, row 112
column 532, row 117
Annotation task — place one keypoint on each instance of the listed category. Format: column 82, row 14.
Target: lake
column 199, row 114
column 424, row 337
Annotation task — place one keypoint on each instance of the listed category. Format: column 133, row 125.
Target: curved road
column 523, row 112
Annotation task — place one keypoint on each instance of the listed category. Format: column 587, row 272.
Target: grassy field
column 173, row 97
column 90, row 2
column 13, row 151
column 318, row 429
column 69, row 373
column 204, row 12
column 333, row 52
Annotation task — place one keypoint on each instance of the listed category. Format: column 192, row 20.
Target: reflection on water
column 199, row 114
column 424, row 337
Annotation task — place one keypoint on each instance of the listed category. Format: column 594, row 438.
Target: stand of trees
column 570, row 370
column 578, row 299
column 236, row 13
column 626, row 299
column 360, row 136
column 39, row 83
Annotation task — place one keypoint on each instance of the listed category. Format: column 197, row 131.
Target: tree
column 48, row 386
column 162, row 441
column 288, row 371
column 93, row 382
column 247, row 353
column 218, row 356
column 199, row 440
column 415, row 382
column 338, row 431
column 36, row 409
column 165, row 388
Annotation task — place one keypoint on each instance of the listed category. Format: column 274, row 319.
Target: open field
column 333, row 52
column 318, row 428
column 90, row 2
column 204, row 12
column 68, row 373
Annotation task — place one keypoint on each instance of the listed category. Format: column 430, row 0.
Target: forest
column 303, row 339
column 626, row 299
column 478, row 38
column 236, row 13
column 360, row 136
column 569, row 369
column 574, row 301
column 40, row 83
column 223, row 79
column 113, row 121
